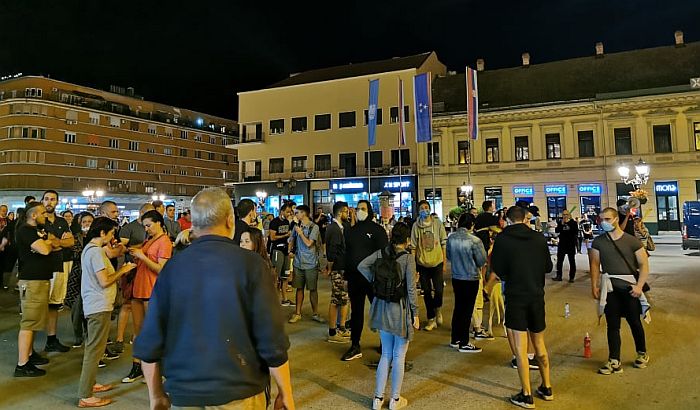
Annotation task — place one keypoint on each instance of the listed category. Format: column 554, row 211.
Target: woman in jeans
column 395, row 321
column 98, row 290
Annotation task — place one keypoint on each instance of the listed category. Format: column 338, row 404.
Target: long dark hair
column 99, row 225
column 258, row 240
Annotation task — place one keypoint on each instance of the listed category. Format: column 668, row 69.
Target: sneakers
column 77, row 343
column 37, row 360
column 469, row 348
column 295, row 318
column 135, row 374
column 318, row 318
column 438, row 316
column 377, row 403
column 28, row 370
column 482, row 335
column 612, row 366
column 337, row 338
column 286, row 302
column 101, row 364
column 110, row 355
column 56, row 346
column 454, row 345
column 557, row 279
column 344, row 333
column 353, row 353
column 545, row 393
column 571, row 281
column 642, row 360
column 532, row 364
column 117, row 347
column 399, row 403
column 520, row 399
column 432, row 325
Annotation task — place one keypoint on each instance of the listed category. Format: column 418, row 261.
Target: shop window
column 623, row 141
column 462, row 152
column 585, row 144
column 662, row 138
column 492, row 150
column 321, row 196
column 522, row 149
column 553, row 146
column 322, row 122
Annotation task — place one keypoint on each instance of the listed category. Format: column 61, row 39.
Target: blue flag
column 423, row 109
column 372, row 112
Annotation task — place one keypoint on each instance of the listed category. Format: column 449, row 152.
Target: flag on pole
column 372, row 112
column 472, row 104
column 402, row 123
column 423, row 109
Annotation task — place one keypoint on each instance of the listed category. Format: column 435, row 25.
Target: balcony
column 334, row 172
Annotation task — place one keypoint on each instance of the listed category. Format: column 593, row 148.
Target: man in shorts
column 34, row 247
column 335, row 251
column 279, row 249
column 305, row 240
column 521, row 258
column 58, row 227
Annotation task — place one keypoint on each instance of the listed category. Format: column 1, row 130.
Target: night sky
column 199, row 55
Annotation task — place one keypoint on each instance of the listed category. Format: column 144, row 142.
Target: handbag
column 635, row 273
column 651, row 246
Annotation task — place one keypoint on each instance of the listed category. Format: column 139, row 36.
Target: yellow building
column 555, row 134
column 72, row 138
column 306, row 137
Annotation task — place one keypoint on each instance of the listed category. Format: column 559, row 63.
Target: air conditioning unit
column 310, row 174
column 394, row 170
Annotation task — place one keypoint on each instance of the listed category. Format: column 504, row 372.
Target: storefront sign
column 491, row 191
column 348, row 185
column 524, row 190
column 666, row 188
column 356, row 185
column 555, row 190
column 397, row 184
column 590, row 189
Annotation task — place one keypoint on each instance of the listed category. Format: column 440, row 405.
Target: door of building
column 667, row 213
column 555, row 206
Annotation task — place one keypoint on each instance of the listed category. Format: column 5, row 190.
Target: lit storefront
column 524, row 193
column 589, row 198
column 352, row 190
column 556, row 200
column 667, row 212
column 495, row 194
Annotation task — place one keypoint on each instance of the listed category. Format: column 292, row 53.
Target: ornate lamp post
column 641, row 176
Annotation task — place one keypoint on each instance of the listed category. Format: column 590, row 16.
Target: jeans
column 394, row 350
column 621, row 304
column 571, row 254
column 431, row 283
column 465, row 297
column 359, row 289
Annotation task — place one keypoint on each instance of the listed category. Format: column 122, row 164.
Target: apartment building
column 76, row 139
column 305, row 137
column 554, row 134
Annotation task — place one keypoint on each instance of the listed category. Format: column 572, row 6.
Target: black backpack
column 388, row 283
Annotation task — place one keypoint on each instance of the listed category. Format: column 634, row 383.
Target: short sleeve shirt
column 160, row 248
column 281, row 227
column 305, row 257
column 58, row 228
column 96, row 299
column 610, row 258
column 32, row 265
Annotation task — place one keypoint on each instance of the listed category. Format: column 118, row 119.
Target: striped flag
column 472, row 104
column 423, row 109
column 402, row 123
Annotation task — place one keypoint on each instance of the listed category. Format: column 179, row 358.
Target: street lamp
column 262, row 195
column 466, row 188
column 641, row 176
column 157, row 197
column 93, row 195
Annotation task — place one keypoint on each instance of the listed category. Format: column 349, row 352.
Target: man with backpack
column 306, row 241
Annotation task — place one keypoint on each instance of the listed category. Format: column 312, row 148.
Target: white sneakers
column 432, row 325
column 399, row 403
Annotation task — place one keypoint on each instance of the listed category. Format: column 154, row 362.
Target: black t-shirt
column 629, row 228
column 32, row 265
column 322, row 225
column 483, row 221
column 281, row 227
column 568, row 234
column 58, row 228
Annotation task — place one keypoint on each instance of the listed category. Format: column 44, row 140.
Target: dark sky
column 199, row 54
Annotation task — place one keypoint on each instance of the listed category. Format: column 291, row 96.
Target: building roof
column 585, row 78
column 354, row 70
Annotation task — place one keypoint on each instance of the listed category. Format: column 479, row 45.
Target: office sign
column 555, row 190
column 590, row 189
column 525, row 190
column 667, row 188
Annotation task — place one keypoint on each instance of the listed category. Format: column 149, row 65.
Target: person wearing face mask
column 247, row 217
column 619, row 270
column 361, row 240
column 428, row 239
column 567, row 229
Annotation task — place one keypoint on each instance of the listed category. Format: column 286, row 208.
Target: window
column 94, row 119
column 168, row 132
column 379, row 117
column 406, row 117
column 211, row 156
column 348, row 164
column 696, row 132
column 321, row 122
column 321, row 196
column 277, row 126
column 393, row 115
column 405, row 157
column 585, row 144
column 662, row 138
column 133, row 166
column 91, row 163
column 183, row 152
column 522, row 149
column 276, row 165
column 198, row 173
column 71, row 117
column 212, row 140
column 198, row 137
column 168, row 151
column 112, row 164
column 553, row 146
column 69, row 137
column 433, row 153
column 198, row 154
column 462, row 152
column 32, row 92
column 152, row 129
column 298, row 124
column 151, row 150
column 298, row 164
column 183, row 172
column 133, row 146
column 134, row 125
column 623, row 141
column 492, row 150
column 322, row 162
column 375, row 159
column 183, row 134
column 93, row 140
column 346, row 119
column 114, row 122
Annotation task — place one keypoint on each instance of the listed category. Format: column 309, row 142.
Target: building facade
column 305, row 138
column 71, row 138
column 554, row 134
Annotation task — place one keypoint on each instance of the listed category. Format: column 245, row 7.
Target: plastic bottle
column 567, row 310
column 587, row 346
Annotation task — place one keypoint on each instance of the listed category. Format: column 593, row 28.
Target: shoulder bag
column 634, row 272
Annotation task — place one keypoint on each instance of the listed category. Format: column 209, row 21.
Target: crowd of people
column 148, row 272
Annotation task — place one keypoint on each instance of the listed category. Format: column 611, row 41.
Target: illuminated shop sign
column 666, row 188
column 555, row 190
column 590, row 189
column 348, row 185
column 524, row 190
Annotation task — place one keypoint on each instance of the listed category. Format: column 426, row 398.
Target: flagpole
column 401, row 136
column 432, row 159
column 369, row 158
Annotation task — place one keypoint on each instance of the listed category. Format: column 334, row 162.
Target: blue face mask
column 607, row 226
column 423, row 214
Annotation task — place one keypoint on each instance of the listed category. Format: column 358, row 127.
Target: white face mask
column 362, row 215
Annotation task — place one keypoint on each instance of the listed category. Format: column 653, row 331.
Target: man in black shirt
column 335, row 251
column 35, row 272
column 486, row 223
column 322, row 221
column 247, row 217
column 279, row 246
column 59, row 228
column 567, row 229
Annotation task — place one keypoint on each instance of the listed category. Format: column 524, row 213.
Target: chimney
column 599, row 49
column 480, row 64
column 526, row 59
column 679, row 38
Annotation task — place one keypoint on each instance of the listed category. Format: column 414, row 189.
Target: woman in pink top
column 150, row 259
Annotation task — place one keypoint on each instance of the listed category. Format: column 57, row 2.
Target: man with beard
column 247, row 217
column 335, row 251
